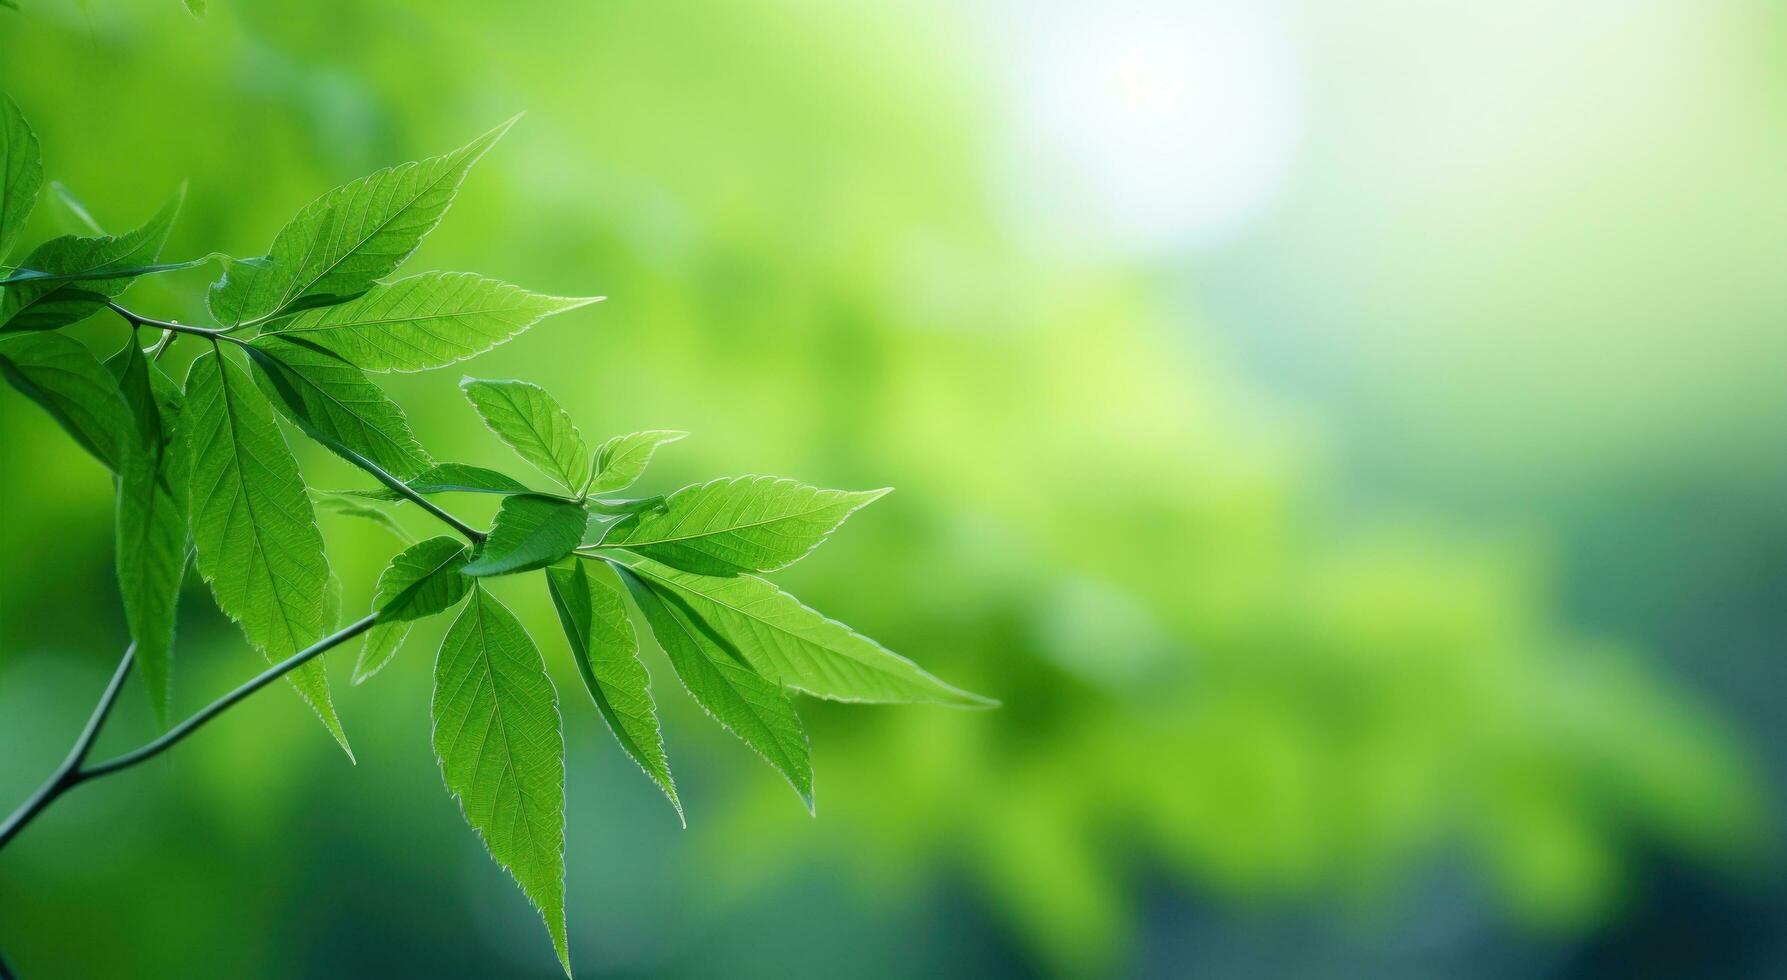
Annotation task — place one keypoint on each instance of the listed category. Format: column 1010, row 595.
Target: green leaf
column 451, row 477
column 196, row 8
column 256, row 535
column 529, row 532
column 61, row 375
column 334, row 402
column 353, row 505
column 496, row 734
column 21, row 173
column 343, row 241
column 419, row 582
column 796, row 646
column 83, row 273
column 533, row 425
column 151, row 531
column 99, row 275
column 425, row 321
column 746, row 524
column 594, row 615
column 621, row 460
column 745, row 703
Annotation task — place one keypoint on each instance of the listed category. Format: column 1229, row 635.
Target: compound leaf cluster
column 204, row 473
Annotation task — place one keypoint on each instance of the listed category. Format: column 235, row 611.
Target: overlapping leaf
column 425, row 321
column 621, row 460
column 529, row 532
column 496, row 734
column 525, row 417
column 422, row 580
column 64, row 377
column 151, row 529
column 252, row 524
column 345, row 240
column 794, row 645
column 746, row 524
column 744, row 702
column 594, row 615
column 337, row 405
column 85, row 273
column 450, row 478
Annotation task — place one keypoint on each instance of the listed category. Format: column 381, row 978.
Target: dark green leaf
column 594, row 615
column 21, row 173
column 526, row 417
column 425, row 321
column 419, row 582
column 529, row 532
column 345, row 240
column 334, row 401
column 83, row 273
column 256, row 535
column 63, row 376
column 747, row 524
column 496, row 734
column 151, row 529
column 742, row 701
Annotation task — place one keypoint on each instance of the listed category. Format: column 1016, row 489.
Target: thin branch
column 68, row 773
column 174, row 735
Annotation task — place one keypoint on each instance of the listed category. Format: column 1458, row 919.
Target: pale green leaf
column 61, row 375
column 529, row 532
column 345, row 240
column 252, row 523
column 349, row 504
column 594, row 615
column 425, row 321
column 420, row 581
column 496, row 734
column 533, row 425
column 796, row 646
column 336, row 404
column 745, row 524
column 744, row 702
column 83, row 274
column 151, row 530
column 21, row 173
column 621, row 460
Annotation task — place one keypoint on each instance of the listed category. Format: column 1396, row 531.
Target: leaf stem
column 409, row 493
column 173, row 326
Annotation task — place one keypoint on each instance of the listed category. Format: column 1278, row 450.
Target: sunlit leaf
column 794, row 645
column 496, row 734
column 593, row 612
column 345, row 240
column 621, row 460
column 252, row 523
column 744, row 702
column 746, row 524
column 425, row 321
column 533, row 425
column 450, row 478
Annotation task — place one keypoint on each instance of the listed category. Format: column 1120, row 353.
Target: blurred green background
column 1350, row 438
